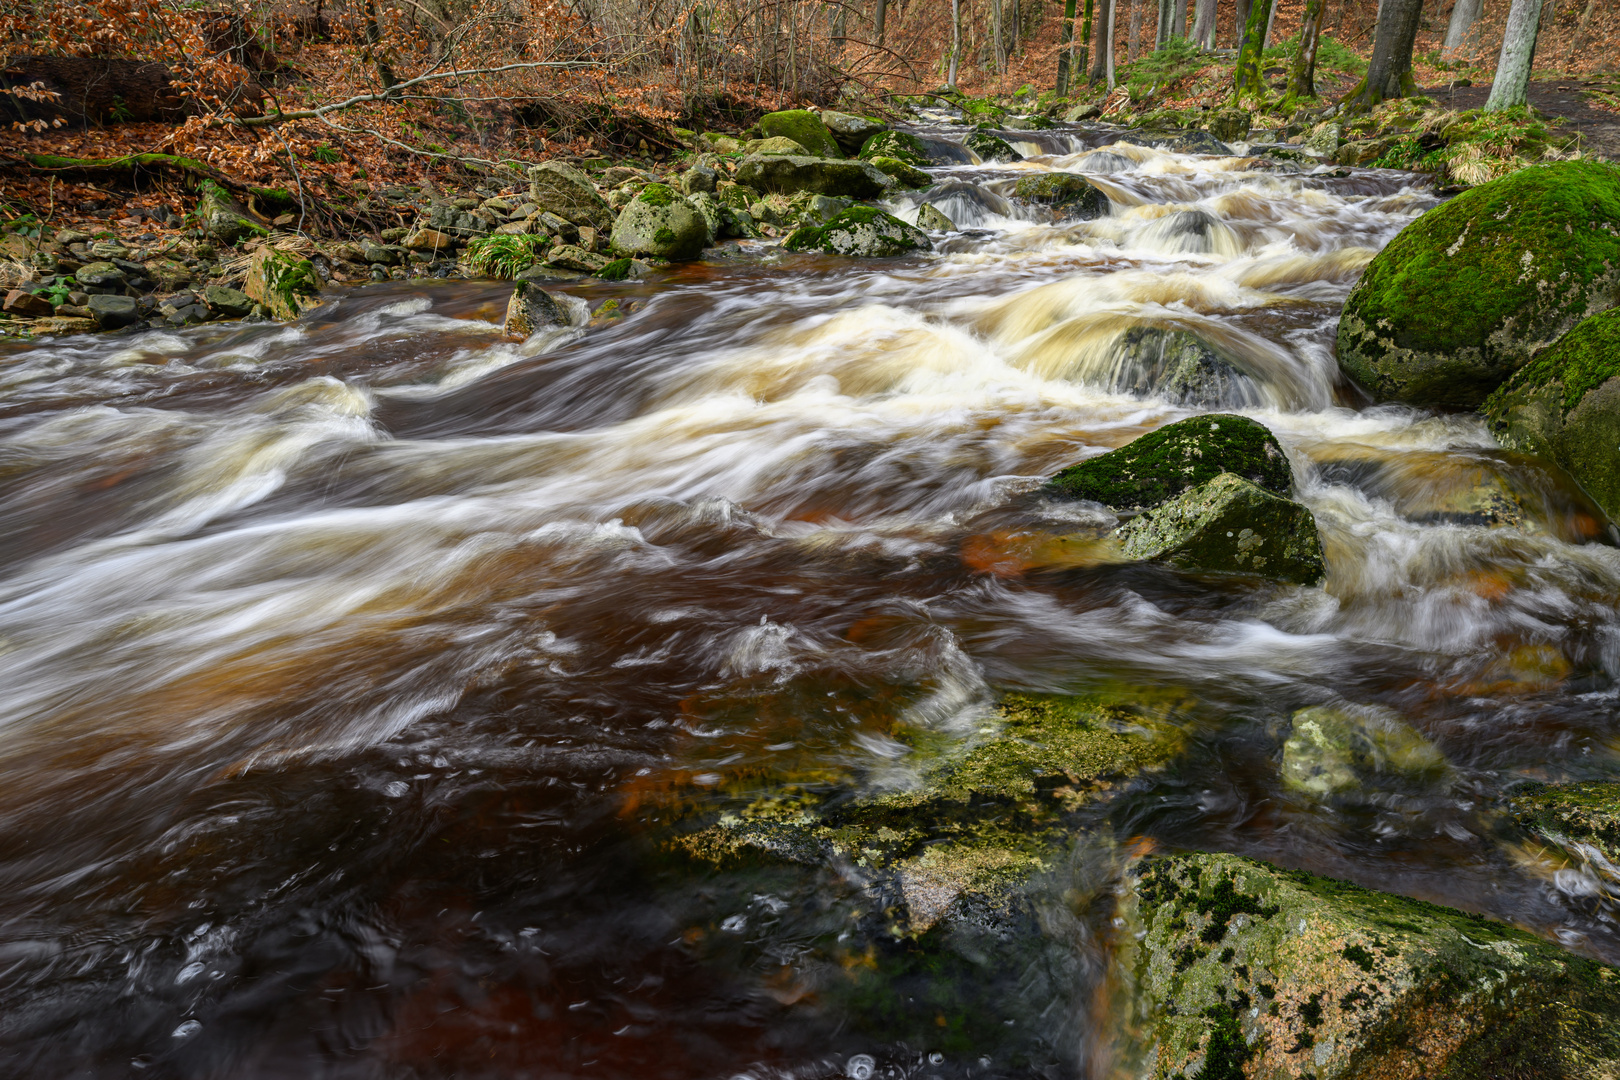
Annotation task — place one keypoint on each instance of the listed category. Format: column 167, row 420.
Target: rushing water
column 355, row 670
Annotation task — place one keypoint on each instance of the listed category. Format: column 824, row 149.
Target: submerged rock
column 900, row 145
column 788, row 173
column 1240, row 968
column 660, row 224
column 1179, row 456
column 861, row 231
column 1470, row 291
column 531, row 308
column 1582, row 818
column 992, row 148
column 565, row 191
column 1229, row 526
column 1181, row 367
column 1336, row 750
column 1103, row 161
column 1070, row 191
column 803, row 127
column 1565, row 405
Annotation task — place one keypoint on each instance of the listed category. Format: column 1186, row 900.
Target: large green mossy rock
column 788, row 173
column 908, row 175
column 900, row 145
column 1070, row 191
column 1166, row 462
column 284, row 283
column 565, row 191
column 1229, row 526
column 803, row 127
column 860, row 232
column 1242, row 969
column 660, row 224
column 1573, row 816
column 1472, row 290
column 982, row 821
column 851, row 131
column 1565, row 405
column 992, row 149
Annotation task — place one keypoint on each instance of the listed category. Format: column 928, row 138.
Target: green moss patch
column 1579, row 362
column 899, row 145
column 1570, row 814
column 803, row 127
column 1179, row 456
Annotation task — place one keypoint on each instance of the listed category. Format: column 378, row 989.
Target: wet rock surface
column 1189, row 453
column 861, row 232
column 1230, row 526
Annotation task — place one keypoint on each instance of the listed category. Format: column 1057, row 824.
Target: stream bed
column 360, row 670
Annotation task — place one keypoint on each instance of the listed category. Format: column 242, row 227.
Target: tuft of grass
column 1179, row 59
column 1330, row 55
column 504, row 256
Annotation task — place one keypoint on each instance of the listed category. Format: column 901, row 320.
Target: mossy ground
column 1473, row 288
column 1179, row 456
column 1245, row 969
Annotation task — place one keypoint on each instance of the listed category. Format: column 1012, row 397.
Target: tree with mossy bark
column 1065, row 36
column 1302, row 74
column 1510, row 88
column 1389, row 72
column 1246, row 78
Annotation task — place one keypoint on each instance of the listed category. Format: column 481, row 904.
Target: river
column 357, row 670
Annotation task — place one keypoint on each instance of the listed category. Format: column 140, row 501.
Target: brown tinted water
column 357, row 671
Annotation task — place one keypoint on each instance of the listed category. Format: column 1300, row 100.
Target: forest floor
column 1568, row 102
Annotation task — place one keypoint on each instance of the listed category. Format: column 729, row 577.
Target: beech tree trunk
column 1178, row 24
column 1241, row 20
column 1102, row 65
column 956, row 38
column 1112, row 4
column 1302, row 76
column 1464, row 16
column 1389, row 73
column 1512, row 82
column 1271, row 20
column 877, row 19
column 1133, row 42
column 1246, row 79
column 1085, row 37
column 1065, row 36
column 1161, row 33
column 995, row 36
column 1204, row 24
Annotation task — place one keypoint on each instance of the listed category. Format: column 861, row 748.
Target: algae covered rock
column 787, row 173
column 532, row 308
column 1070, row 191
column 286, row 284
column 862, row 232
column 933, row 219
column 1472, row 290
column 992, row 148
column 908, row 175
column 850, row 131
column 1565, row 405
column 660, row 224
column 565, row 191
column 1583, row 818
column 1231, row 125
column 900, row 145
column 776, row 144
column 1166, row 462
column 1335, row 750
column 1240, row 968
column 1229, row 526
column 1181, row 367
column 804, row 128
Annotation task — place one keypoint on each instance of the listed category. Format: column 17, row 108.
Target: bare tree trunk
column 1302, row 76
column 1246, row 79
column 1240, row 21
column 878, row 19
column 385, row 74
column 1133, row 43
column 1085, row 38
column 956, row 38
column 1271, row 21
column 1064, row 36
column 1512, row 82
column 1389, row 73
column 1161, row 26
column 1464, row 14
column 1178, row 25
column 1112, row 4
column 995, row 37
column 1102, row 64
column 1204, row 24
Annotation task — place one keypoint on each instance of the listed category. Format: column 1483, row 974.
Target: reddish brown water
column 357, row 671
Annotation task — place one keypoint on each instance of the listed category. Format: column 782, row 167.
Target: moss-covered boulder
column 1565, row 405
column 900, row 145
column 908, row 175
column 1336, row 750
column 1472, row 290
column 862, row 232
column 851, row 131
column 565, row 191
column 1582, row 818
column 1229, row 526
column 1166, row 462
column 982, row 821
column 788, row 173
column 1069, row 191
column 225, row 220
column 1241, row 969
column 992, row 149
column 532, row 308
column 286, row 284
column 660, row 224
column 776, row 144
column 1230, row 125
column 803, row 127
column 933, row 219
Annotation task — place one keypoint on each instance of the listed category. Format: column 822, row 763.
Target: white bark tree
column 1204, row 24
column 1512, row 83
column 1460, row 30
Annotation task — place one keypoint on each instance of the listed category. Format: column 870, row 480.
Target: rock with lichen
column 284, row 283
column 860, row 232
column 565, row 191
column 789, row 173
column 1235, row 968
column 1471, row 291
column 992, row 148
column 1565, row 405
column 659, row 223
column 1070, row 192
column 1166, row 462
column 1229, row 526
column 803, row 127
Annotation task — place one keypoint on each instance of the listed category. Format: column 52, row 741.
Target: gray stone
column 373, row 252
column 530, row 309
column 699, row 179
column 101, row 275
column 992, row 149
column 229, row 302
column 1229, row 525
column 568, row 193
column 791, row 173
column 1231, row 125
column 113, row 312
column 661, row 224
column 850, row 131
column 861, row 232
column 931, row 218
